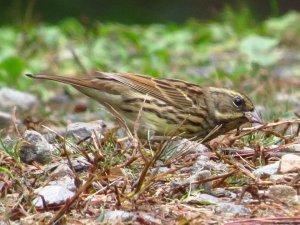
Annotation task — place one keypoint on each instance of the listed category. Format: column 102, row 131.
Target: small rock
column 162, row 169
column 60, row 102
column 200, row 175
column 81, row 163
column 202, row 199
column 36, row 149
column 81, row 130
column 66, row 182
column 10, row 97
column 289, row 163
column 232, row 208
column 116, row 216
column 81, row 105
column 63, row 176
column 266, row 171
column 5, row 120
column 61, row 170
column 222, row 192
column 53, row 195
column 120, row 216
column 51, row 137
column 284, row 193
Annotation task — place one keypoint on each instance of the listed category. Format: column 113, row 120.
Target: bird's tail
column 68, row 80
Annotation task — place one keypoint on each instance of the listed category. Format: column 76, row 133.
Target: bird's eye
column 238, row 102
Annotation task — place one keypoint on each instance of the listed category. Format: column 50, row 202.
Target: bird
column 166, row 106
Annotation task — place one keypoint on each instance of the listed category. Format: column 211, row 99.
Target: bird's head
column 231, row 108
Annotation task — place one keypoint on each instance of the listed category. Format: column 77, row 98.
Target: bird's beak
column 254, row 117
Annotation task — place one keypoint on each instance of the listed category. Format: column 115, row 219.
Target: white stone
column 267, row 170
column 53, row 195
column 284, row 193
column 289, row 163
column 10, row 97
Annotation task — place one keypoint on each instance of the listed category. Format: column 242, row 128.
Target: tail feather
column 67, row 80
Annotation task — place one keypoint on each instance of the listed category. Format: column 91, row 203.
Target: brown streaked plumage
column 168, row 105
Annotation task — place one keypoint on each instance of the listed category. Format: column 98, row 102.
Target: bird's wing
column 164, row 90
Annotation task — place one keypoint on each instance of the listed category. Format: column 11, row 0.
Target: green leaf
column 72, row 27
column 13, row 67
column 260, row 50
column 7, row 171
column 281, row 24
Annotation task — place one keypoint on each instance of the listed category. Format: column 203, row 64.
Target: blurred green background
column 251, row 46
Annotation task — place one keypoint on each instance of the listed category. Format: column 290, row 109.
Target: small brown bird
column 166, row 106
